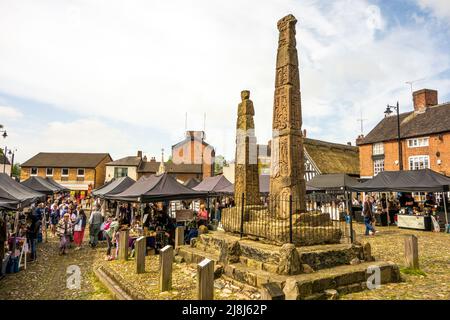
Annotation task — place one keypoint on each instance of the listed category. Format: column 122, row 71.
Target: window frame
column 380, row 146
column 78, row 172
column 416, row 159
column 375, row 162
column 49, row 175
column 34, row 174
column 121, row 169
column 418, row 142
column 62, row 172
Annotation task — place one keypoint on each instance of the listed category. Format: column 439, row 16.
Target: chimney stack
column 139, row 154
column 304, row 133
column 360, row 139
column 423, row 99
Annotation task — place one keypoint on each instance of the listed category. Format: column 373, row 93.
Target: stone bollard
column 123, row 245
column 140, row 247
column 411, row 252
column 179, row 237
column 205, row 280
column 271, row 291
column 165, row 268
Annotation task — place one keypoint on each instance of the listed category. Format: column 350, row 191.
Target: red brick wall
column 391, row 155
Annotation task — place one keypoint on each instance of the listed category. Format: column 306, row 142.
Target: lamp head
column 388, row 111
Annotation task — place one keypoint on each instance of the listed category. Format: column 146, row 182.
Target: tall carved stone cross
column 246, row 169
column 287, row 158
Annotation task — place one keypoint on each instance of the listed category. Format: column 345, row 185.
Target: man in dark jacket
column 32, row 234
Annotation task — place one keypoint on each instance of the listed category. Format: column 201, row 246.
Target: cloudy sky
column 120, row 76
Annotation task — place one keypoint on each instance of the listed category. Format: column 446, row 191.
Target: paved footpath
column 46, row 278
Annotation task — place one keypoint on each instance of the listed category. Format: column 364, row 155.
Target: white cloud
column 9, row 113
column 148, row 63
column 83, row 135
column 439, row 8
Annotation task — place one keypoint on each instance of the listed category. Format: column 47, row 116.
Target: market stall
column 337, row 187
column 113, row 187
column 14, row 197
column 60, row 187
column 41, row 185
column 412, row 214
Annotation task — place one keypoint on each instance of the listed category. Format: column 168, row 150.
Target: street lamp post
column 400, row 152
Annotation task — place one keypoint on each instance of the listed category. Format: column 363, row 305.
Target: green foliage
column 16, row 170
column 413, row 272
column 219, row 163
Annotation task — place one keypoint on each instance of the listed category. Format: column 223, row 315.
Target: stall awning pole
column 445, row 207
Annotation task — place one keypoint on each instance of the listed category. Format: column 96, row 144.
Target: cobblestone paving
column 46, row 279
column 434, row 261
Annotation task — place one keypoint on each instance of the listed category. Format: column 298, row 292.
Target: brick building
column 79, row 172
column 191, row 158
column 425, row 139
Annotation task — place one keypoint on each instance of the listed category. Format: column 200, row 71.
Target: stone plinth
column 308, row 228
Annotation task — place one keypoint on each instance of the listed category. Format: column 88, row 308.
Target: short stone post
column 411, row 252
column 205, row 280
column 123, row 245
column 140, row 247
column 271, row 291
column 165, row 268
column 179, row 237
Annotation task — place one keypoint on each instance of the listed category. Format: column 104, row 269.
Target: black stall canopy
column 213, row 184
column 41, row 185
column 332, row 181
column 113, row 187
column 13, row 194
column 61, row 188
column 192, row 182
column 425, row 180
column 157, row 188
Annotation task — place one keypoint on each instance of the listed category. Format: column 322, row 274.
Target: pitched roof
column 40, row 184
column 332, row 157
column 113, row 187
column 153, row 166
column 434, row 120
column 213, row 184
column 14, row 193
column 127, row 161
column 66, row 160
column 2, row 160
column 157, row 187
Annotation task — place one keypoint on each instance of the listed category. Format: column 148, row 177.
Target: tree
column 219, row 163
column 16, row 170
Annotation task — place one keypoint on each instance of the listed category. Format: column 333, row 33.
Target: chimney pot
column 424, row 98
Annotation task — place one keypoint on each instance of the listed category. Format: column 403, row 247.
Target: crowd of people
column 63, row 217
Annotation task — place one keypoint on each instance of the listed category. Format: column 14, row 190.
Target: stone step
column 195, row 255
column 343, row 279
column 257, row 254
